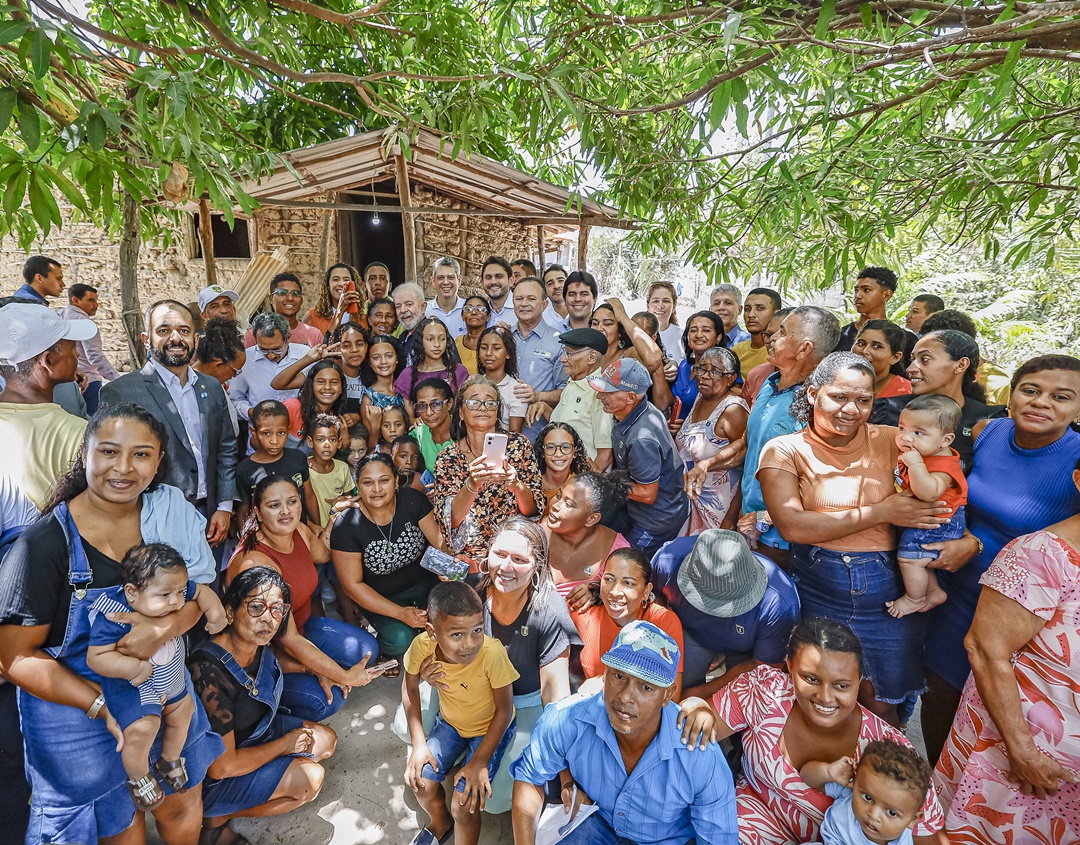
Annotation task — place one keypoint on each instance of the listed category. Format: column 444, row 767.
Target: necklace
column 388, row 535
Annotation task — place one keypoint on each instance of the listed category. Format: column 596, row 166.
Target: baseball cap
column 585, row 339
column 28, row 329
column 625, row 374
column 721, row 576
column 646, row 652
column 208, row 295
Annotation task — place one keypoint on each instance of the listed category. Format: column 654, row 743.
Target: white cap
column 208, row 295
column 27, row 330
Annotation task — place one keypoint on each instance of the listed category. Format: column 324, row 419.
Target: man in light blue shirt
column 271, row 354
column 623, row 749
column 806, row 335
column 446, row 306
column 539, row 353
column 726, row 303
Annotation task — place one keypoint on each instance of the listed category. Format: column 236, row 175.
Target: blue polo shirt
column 761, row 633
column 672, row 796
column 770, row 417
column 641, row 444
column 28, row 293
column 539, row 360
column 736, row 335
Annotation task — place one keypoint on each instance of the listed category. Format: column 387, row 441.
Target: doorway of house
column 365, row 239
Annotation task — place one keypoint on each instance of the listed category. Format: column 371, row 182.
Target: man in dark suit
column 202, row 446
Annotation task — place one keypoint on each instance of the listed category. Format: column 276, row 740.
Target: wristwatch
column 95, row 708
column 761, row 522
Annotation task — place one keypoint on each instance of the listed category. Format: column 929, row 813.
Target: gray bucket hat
column 721, row 576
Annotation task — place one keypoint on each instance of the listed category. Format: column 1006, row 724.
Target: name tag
column 541, row 353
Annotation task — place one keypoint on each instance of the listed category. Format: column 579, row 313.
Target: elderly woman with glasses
column 709, row 442
column 473, row 495
column 474, row 313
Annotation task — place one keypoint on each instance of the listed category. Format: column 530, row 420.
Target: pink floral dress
column 775, row 805
column 1041, row 573
column 696, row 441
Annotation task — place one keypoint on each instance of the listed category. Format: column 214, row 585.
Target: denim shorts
column 852, row 587
column 911, row 539
column 447, row 746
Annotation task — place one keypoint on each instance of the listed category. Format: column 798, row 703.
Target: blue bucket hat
column 646, row 652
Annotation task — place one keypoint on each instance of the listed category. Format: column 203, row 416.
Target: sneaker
column 426, row 837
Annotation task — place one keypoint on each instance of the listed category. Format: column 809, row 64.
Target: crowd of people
column 698, row 575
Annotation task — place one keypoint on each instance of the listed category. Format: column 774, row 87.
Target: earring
column 483, row 567
column 536, row 580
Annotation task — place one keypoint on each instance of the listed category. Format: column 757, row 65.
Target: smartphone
column 447, row 566
column 676, row 408
column 382, row 667
column 427, row 479
column 495, row 448
column 354, row 307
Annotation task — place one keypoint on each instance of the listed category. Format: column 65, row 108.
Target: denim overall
column 235, row 794
column 75, row 772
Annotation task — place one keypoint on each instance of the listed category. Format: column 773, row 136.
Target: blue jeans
column 912, row 539
column 447, row 746
column 595, row 831
column 852, row 588
column 645, row 541
column 343, row 643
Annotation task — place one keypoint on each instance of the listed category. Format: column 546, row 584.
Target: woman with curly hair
column 384, row 364
column 323, row 392
column 333, row 302
column 496, row 358
column 560, row 455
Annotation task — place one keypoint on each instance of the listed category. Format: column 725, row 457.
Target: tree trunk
column 582, row 246
column 206, row 238
column 407, row 230
column 540, row 252
column 131, row 311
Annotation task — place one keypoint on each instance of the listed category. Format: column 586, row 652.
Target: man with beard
column 202, row 447
column 495, row 278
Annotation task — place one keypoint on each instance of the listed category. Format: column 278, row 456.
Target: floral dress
column 491, row 505
column 383, row 400
column 1041, row 573
column 698, row 440
column 775, row 805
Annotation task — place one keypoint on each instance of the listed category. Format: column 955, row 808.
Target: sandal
column 173, row 772
column 145, row 792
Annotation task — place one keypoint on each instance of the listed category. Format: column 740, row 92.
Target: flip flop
column 145, row 792
column 173, row 772
column 223, row 835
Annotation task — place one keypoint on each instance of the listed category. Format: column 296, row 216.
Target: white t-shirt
column 672, row 338
column 511, row 405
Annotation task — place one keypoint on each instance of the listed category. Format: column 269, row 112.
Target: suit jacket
column 146, row 388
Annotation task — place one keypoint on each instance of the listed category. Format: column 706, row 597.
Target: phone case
column 445, row 565
column 495, row 448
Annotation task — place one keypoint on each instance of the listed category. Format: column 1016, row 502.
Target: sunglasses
column 474, row 309
column 284, row 292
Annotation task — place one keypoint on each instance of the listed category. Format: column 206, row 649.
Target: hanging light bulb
column 374, row 219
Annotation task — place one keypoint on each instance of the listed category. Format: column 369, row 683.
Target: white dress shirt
column 252, row 384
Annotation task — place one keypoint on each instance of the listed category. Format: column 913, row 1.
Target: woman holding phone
column 484, row 476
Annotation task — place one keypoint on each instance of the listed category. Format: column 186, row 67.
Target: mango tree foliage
column 793, row 137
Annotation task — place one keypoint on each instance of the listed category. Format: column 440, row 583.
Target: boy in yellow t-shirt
column 476, row 713
column 330, row 478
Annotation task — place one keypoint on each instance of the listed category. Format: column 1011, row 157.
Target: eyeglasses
column 474, row 309
column 767, row 335
column 276, row 351
column 709, row 372
column 257, row 607
column 423, row 407
column 558, row 448
column 574, row 350
column 477, row 404
column 235, row 370
column 283, row 292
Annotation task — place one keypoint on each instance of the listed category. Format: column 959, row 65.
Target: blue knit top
column 1011, row 491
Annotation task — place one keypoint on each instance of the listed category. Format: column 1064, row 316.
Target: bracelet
column 469, row 487
column 95, row 708
column 980, row 542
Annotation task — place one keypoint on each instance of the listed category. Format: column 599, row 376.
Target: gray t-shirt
column 542, row 631
column 642, row 445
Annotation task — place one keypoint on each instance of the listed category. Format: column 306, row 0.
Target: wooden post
column 540, row 252
column 407, row 230
column 206, row 238
column 130, row 310
column 463, row 244
column 327, row 233
column 582, row 246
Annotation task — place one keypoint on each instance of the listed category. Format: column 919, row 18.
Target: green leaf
column 1005, row 77
column 96, row 131
column 13, row 30
column 825, row 16
column 731, row 29
column 40, row 199
column 14, row 192
column 29, row 124
column 867, row 13
column 8, row 98
column 68, row 189
column 40, row 51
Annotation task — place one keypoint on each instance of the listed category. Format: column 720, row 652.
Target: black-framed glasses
column 257, row 607
column 285, row 292
column 436, row 406
column 477, row 404
column 708, row 372
column 558, row 448
column 474, row 309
